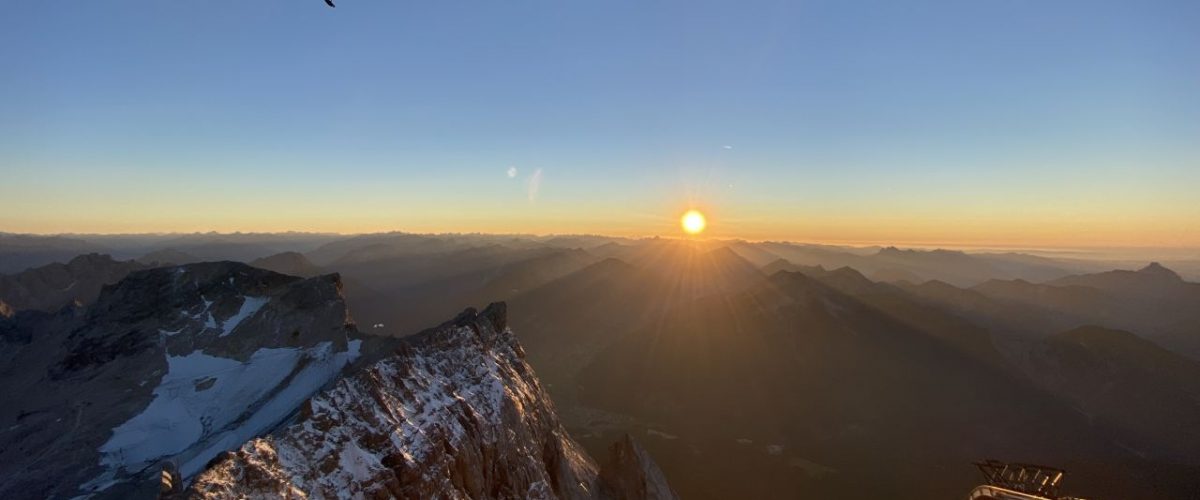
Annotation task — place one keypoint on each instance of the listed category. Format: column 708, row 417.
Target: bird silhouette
column 330, row 3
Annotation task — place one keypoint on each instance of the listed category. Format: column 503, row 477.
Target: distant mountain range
column 847, row 377
column 19, row 252
column 768, row 370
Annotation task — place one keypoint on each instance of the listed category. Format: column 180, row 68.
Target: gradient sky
column 1070, row 123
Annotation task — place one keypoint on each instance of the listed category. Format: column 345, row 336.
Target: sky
column 997, row 122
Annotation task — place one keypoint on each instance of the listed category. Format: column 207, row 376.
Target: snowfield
column 208, row 404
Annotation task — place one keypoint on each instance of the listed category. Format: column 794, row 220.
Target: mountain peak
column 1156, row 269
column 496, row 314
column 631, row 473
column 289, row 263
column 91, row 259
column 890, row 250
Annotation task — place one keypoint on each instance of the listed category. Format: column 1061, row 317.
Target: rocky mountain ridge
column 456, row 412
column 52, row 286
column 173, row 366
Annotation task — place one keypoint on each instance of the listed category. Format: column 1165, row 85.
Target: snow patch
column 178, row 416
column 245, row 400
column 167, row 333
column 250, row 306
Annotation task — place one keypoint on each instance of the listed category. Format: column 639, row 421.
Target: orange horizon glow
column 968, row 226
column 914, row 233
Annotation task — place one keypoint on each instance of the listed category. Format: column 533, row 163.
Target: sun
column 693, row 222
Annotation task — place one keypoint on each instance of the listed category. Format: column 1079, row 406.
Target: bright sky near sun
column 993, row 122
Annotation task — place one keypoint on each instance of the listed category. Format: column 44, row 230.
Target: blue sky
column 914, row 121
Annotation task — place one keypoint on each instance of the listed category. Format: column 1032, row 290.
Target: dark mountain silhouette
column 1038, row 268
column 409, row 291
column 168, row 257
column 693, row 269
column 210, row 246
column 756, row 254
column 916, row 266
column 52, row 286
column 19, row 252
column 786, row 265
column 838, row 382
column 1008, row 318
column 1153, row 280
column 377, row 246
column 1153, row 302
column 1148, row 395
column 289, row 263
column 891, row 275
column 569, row 320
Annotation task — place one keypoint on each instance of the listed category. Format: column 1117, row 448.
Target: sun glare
column 693, row 222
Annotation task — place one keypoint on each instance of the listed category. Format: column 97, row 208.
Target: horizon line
column 861, row 244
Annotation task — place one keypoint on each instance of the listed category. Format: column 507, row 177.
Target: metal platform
column 1018, row 481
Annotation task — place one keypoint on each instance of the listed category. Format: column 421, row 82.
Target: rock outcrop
column 456, row 412
column 629, row 472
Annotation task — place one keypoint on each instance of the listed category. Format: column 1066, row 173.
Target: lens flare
column 693, row 222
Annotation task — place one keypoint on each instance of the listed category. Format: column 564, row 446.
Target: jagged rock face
column 52, row 286
column 455, row 413
column 169, row 364
column 629, row 472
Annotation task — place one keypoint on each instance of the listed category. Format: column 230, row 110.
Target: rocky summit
column 456, row 412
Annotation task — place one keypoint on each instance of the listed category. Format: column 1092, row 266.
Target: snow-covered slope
column 455, row 413
column 171, row 364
